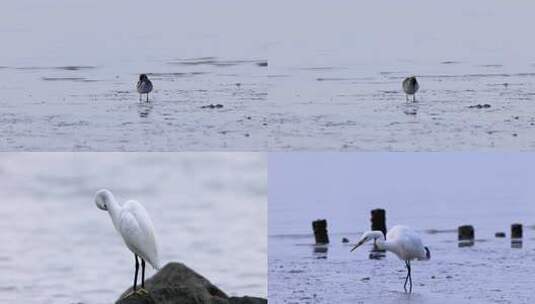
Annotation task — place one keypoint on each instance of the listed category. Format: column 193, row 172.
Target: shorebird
column 144, row 86
column 401, row 241
column 410, row 87
column 133, row 223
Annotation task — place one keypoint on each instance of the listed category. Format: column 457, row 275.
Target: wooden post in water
column 320, row 231
column 466, row 235
column 378, row 219
column 516, row 231
column 516, row 235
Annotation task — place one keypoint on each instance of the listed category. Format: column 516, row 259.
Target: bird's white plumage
column 400, row 240
column 134, row 225
column 405, row 243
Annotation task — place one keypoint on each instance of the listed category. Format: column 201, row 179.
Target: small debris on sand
column 212, row 106
column 480, row 106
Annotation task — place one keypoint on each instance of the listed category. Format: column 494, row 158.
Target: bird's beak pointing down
column 358, row 244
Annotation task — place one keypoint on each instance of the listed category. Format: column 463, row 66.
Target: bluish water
column 209, row 212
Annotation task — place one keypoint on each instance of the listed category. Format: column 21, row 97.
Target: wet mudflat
column 489, row 272
column 227, row 77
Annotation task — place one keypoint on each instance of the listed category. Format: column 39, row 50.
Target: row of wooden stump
column 378, row 222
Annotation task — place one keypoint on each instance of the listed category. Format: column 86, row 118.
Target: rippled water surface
column 329, row 79
column 209, row 212
column 432, row 194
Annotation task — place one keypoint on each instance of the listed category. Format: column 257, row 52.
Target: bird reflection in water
column 410, row 109
column 144, row 109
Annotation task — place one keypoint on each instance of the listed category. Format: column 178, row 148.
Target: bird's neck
column 383, row 244
column 113, row 210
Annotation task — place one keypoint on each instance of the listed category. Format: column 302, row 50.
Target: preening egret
column 410, row 87
column 144, row 86
column 401, row 241
column 133, row 223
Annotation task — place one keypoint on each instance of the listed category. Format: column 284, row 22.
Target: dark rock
column 212, row 106
column 378, row 219
column 176, row 283
column 499, row 234
column 246, row 300
column 345, row 240
column 262, row 64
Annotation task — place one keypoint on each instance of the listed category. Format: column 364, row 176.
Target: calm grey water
column 431, row 193
column 209, row 212
column 332, row 80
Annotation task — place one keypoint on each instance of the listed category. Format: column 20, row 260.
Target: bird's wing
column 409, row 242
column 413, row 245
column 137, row 231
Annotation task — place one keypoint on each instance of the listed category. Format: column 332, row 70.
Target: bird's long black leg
column 135, row 277
column 407, row 277
column 147, row 97
column 414, row 98
column 410, row 276
column 142, row 273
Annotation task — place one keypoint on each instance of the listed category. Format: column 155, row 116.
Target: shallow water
column 209, row 212
column 489, row 272
column 431, row 193
column 330, row 81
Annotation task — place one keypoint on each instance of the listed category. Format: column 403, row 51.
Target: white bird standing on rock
column 133, row 223
column 144, row 86
column 403, row 242
column 410, row 87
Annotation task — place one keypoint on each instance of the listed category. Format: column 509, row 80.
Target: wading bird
column 133, row 223
column 401, row 241
column 410, row 87
column 144, row 86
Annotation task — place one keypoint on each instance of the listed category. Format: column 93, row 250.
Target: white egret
column 401, row 241
column 144, row 86
column 133, row 223
column 410, row 87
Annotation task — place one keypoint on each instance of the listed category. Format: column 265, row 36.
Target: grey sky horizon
column 414, row 188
